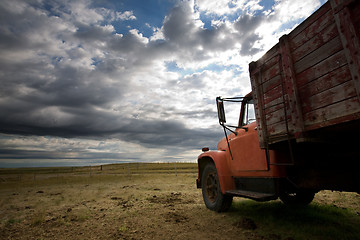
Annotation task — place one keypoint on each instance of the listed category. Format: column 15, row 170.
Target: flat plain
column 155, row 201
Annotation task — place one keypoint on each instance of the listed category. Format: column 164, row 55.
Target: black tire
column 299, row 198
column 213, row 197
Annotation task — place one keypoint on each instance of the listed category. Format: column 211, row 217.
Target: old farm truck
column 298, row 131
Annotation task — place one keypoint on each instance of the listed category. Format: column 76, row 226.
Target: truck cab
column 239, row 167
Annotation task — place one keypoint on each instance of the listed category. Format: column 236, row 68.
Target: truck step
column 253, row 195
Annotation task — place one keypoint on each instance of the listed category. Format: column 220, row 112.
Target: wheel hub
column 211, row 187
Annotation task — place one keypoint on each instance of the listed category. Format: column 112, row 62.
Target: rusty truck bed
column 310, row 79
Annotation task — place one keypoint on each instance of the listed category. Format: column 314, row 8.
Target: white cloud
column 287, row 10
column 228, row 7
column 139, row 36
column 127, row 15
column 81, row 12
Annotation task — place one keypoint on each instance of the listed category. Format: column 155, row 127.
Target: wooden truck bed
column 311, row 78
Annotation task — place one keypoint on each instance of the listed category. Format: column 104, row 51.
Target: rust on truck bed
column 311, row 78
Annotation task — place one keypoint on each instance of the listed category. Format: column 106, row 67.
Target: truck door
column 245, row 149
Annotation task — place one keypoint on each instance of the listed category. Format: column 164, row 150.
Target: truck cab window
column 249, row 113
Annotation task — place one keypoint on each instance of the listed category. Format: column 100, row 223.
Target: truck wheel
column 298, row 198
column 213, row 197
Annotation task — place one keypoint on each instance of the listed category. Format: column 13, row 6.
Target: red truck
column 298, row 130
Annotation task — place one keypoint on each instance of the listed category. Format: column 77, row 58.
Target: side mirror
column 221, row 110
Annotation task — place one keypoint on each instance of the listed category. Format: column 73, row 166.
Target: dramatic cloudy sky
column 89, row 82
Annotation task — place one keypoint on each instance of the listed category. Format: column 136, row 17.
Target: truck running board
column 252, row 195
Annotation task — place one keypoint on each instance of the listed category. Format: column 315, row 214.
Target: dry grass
column 155, row 201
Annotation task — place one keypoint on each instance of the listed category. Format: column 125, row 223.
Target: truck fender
column 223, row 170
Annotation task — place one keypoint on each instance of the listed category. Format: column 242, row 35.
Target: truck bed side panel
column 311, row 78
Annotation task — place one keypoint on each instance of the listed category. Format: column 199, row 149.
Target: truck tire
column 213, row 197
column 299, row 198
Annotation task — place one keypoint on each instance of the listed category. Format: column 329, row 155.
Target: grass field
column 155, row 201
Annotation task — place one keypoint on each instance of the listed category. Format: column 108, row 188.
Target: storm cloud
column 68, row 72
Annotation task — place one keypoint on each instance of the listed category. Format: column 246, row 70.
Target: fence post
column 175, row 169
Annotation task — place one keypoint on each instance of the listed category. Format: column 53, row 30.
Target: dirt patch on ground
column 246, row 223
